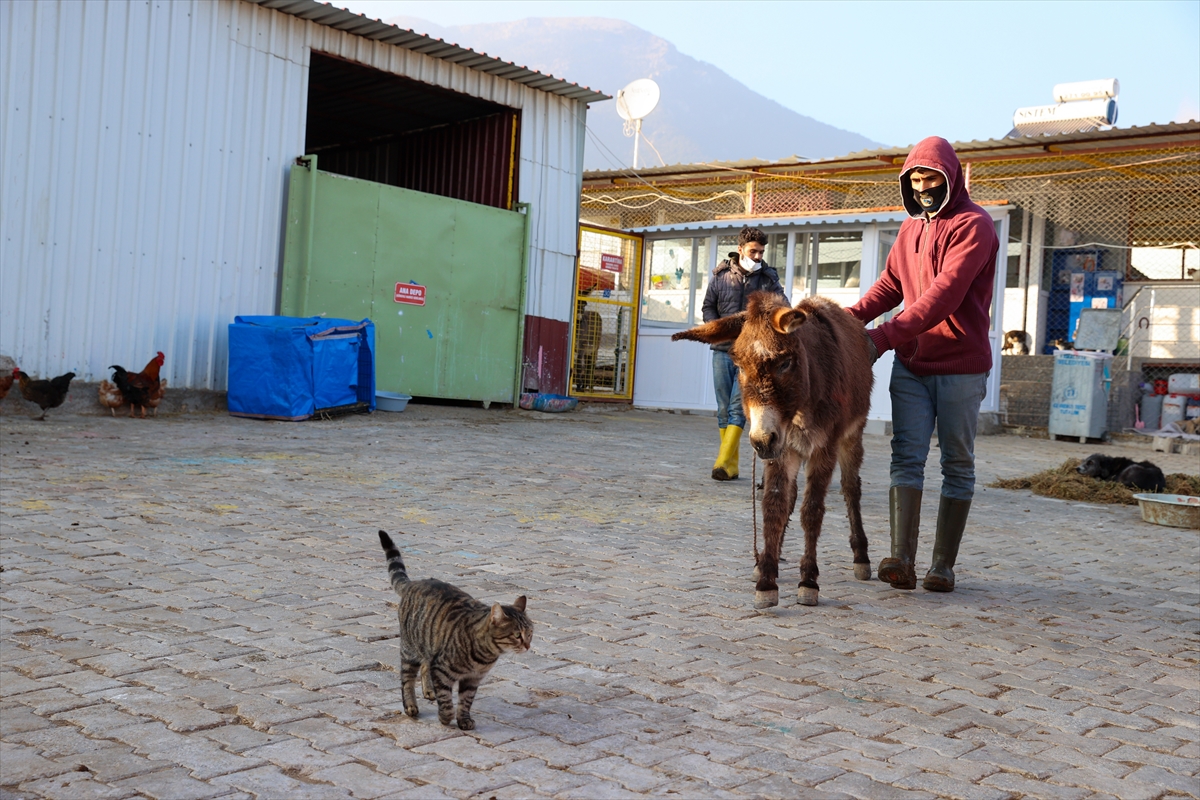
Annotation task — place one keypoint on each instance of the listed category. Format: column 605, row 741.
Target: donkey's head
column 773, row 370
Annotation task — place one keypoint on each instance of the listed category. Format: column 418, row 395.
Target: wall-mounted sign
column 612, row 263
column 411, row 293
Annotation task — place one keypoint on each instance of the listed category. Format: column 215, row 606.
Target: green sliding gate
column 443, row 280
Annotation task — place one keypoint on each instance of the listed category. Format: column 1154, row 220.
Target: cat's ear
column 519, row 603
column 497, row 614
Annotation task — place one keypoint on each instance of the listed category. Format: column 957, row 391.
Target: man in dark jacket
column 734, row 280
column 942, row 267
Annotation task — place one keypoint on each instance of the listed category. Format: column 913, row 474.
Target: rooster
column 140, row 389
column 143, row 389
column 47, row 394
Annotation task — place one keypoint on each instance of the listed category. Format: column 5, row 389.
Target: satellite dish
column 634, row 102
column 637, row 99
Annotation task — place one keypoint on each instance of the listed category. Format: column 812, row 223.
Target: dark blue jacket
column 729, row 288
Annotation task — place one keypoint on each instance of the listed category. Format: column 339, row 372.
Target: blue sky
column 898, row 71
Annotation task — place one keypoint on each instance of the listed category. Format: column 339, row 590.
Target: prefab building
column 166, row 166
column 1098, row 219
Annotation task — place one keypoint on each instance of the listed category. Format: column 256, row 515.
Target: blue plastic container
column 548, row 402
column 292, row 368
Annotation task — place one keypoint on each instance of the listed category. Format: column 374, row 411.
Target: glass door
column 604, row 330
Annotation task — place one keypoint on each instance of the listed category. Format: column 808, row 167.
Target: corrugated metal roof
column 858, row 217
column 1017, row 146
column 360, row 25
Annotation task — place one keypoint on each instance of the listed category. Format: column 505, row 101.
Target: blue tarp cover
column 289, row 367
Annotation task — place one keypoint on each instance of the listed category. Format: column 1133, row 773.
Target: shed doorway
column 369, row 124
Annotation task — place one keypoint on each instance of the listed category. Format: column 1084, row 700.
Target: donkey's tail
column 395, row 563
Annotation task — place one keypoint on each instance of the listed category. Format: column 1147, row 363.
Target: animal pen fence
column 1096, row 219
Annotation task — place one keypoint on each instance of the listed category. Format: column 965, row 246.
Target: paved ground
column 197, row 607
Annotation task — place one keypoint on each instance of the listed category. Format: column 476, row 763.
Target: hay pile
column 1064, row 483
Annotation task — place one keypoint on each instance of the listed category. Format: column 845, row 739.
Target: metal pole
column 1132, row 332
column 637, row 134
column 527, row 210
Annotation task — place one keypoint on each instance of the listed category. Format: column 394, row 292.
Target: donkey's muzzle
column 768, row 445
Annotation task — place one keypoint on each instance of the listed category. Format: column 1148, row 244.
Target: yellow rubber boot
column 719, row 465
column 726, row 467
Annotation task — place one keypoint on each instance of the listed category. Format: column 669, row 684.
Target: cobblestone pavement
column 197, row 607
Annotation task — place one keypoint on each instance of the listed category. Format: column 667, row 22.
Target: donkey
column 806, row 381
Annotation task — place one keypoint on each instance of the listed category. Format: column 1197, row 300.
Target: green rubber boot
column 904, row 504
column 951, row 522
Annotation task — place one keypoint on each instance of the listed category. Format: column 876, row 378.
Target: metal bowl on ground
column 1175, row 510
column 391, row 401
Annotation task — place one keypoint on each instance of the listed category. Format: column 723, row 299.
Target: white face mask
column 749, row 265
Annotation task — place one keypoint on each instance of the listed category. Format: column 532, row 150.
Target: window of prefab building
column 887, row 239
column 776, row 255
column 801, row 267
column 676, row 279
column 1012, row 275
column 838, row 259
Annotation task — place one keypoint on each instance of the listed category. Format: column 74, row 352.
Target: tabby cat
column 450, row 637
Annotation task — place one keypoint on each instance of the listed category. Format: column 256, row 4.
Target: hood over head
column 933, row 152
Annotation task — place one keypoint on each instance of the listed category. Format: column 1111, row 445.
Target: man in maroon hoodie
column 942, row 267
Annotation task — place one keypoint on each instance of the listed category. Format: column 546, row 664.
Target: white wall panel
column 142, row 184
column 143, row 172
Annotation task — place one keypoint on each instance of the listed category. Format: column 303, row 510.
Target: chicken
column 139, row 388
column 157, row 396
column 47, row 394
column 6, row 382
column 111, row 397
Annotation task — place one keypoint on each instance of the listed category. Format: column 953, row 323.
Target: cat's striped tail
column 395, row 563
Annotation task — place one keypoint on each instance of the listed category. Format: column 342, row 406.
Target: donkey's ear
column 725, row 329
column 786, row 320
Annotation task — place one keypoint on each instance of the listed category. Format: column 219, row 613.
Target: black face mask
column 931, row 199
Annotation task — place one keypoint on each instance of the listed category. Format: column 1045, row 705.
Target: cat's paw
column 412, row 710
column 466, row 724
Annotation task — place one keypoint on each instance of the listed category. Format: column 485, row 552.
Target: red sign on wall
column 411, row 293
column 612, row 263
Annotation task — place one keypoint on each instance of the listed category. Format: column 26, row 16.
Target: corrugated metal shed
column 145, row 154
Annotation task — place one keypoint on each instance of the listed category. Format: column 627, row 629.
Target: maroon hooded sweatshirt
column 944, row 270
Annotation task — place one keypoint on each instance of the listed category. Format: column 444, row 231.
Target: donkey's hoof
column 862, row 572
column 807, row 596
column 766, row 599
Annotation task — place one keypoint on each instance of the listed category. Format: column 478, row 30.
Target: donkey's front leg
column 812, row 514
column 779, row 498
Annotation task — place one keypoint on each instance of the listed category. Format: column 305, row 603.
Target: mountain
column 703, row 115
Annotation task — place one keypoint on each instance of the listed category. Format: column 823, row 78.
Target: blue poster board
column 1078, row 280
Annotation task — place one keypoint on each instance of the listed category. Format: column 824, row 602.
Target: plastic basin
column 391, row 401
column 1174, row 510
